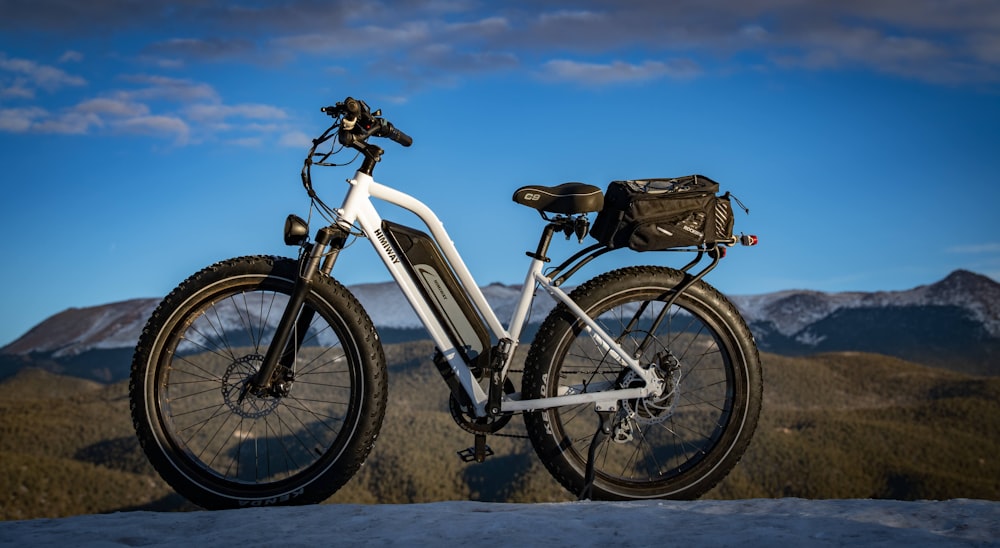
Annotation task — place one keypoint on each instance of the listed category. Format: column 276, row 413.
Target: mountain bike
column 261, row 380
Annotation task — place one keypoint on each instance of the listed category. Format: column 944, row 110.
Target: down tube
column 440, row 235
column 371, row 224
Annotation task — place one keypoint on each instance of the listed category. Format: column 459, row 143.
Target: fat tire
column 321, row 452
column 561, row 436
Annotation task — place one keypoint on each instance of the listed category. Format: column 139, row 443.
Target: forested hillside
column 842, row 425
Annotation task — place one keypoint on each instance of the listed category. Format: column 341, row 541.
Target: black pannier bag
column 656, row 214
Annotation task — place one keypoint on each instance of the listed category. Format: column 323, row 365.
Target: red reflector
column 748, row 239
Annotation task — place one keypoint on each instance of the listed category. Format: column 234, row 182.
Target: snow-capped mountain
column 387, row 307
column 97, row 342
column 77, row 330
column 791, row 312
column 953, row 323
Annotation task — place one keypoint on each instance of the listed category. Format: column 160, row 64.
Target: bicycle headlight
column 296, row 230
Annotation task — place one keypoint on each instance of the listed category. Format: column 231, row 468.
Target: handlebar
column 355, row 123
column 359, row 123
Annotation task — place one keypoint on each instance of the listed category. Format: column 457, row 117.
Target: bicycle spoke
column 247, row 437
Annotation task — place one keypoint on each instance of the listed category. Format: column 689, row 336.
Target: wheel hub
column 240, row 401
column 659, row 407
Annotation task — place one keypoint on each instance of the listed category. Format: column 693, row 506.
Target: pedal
column 478, row 453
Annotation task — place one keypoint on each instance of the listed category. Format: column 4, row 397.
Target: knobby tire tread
column 554, row 328
column 369, row 422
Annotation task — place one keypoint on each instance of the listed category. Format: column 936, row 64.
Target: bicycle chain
column 517, row 436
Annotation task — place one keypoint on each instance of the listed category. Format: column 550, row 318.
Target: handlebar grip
column 401, row 137
column 389, row 131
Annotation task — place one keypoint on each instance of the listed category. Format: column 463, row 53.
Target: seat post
column 543, row 243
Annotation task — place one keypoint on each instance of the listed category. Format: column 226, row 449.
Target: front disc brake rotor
column 234, row 393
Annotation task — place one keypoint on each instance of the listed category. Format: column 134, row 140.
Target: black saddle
column 567, row 198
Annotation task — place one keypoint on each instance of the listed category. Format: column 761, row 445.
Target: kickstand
column 603, row 430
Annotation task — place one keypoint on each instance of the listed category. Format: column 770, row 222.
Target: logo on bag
column 692, row 231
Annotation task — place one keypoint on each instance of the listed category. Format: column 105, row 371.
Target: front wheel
column 677, row 444
column 223, row 446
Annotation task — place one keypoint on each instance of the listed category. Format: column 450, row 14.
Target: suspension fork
column 295, row 319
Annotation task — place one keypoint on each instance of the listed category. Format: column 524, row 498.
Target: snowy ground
column 781, row 522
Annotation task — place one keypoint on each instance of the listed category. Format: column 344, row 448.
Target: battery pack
column 450, row 303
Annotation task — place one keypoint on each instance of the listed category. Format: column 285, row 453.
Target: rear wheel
column 675, row 445
column 222, row 446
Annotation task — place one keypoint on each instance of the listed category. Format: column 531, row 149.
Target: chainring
column 479, row 425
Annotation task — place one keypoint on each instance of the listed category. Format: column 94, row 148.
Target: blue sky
column 143, row 140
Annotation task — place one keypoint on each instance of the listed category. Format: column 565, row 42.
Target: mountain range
column 953, row 323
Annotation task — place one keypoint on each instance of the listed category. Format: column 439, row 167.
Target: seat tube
column 520, row 315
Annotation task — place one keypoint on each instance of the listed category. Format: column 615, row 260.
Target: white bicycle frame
column 358, row 209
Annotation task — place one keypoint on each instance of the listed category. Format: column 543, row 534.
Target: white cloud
column 754, row 32
column 932, row 40
column 986, row 47
column 39, row 120
column 990, row 247
column 169, row 89
column 71, row 56
column 17, row 90
column 158, row 125
column 575, row 16
column 251, row 142
column 20, row 120
column 218, row 111
column 295, row 139
column 213, row 48
column 177, row 109
column 349, row 41
column 617, row 71
column 35, row 75
column 113, row 107
column 489, row 25
column 69, row 123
